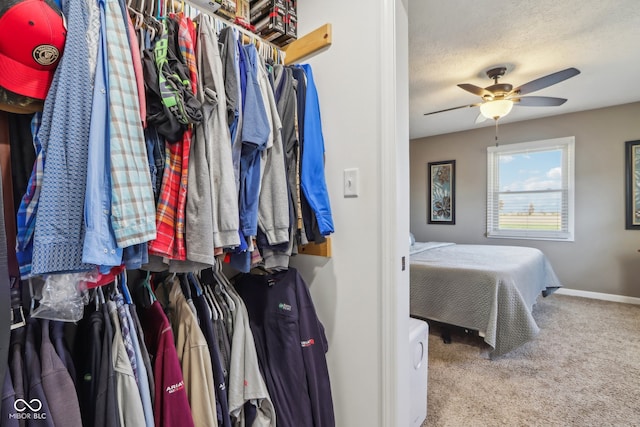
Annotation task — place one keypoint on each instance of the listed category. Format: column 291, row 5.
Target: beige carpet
column 583, row 369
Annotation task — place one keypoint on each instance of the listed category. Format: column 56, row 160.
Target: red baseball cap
column 33, row 36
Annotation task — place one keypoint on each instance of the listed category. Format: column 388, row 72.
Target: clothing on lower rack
column 291, row 347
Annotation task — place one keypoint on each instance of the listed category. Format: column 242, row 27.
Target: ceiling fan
column 499, row 98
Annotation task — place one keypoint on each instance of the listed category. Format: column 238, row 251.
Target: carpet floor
column 583, row 369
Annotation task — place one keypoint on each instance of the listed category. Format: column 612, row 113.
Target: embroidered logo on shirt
column 307, row 343
column 175, row 387
column 283, row 306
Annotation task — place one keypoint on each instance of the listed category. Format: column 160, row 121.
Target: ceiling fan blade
column 476, row 90
column 545, row 81
column 454, row 108
column 539, row 101
column 481, row 118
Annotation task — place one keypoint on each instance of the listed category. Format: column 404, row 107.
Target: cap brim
column 24, row 80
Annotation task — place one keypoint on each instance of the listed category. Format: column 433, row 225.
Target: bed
column 485, row 288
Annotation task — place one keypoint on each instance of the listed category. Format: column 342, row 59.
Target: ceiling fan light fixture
column 496, row 109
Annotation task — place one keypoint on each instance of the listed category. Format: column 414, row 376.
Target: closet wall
column 361, row 293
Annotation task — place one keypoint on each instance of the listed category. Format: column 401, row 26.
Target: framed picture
column 632, row 181
column 442, row 192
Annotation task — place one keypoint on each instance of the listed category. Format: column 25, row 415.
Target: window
column 530, row 190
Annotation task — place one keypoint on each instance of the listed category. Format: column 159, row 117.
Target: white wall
column 604, row 256
column 360, row 293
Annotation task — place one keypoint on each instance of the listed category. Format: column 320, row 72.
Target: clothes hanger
column 194, row 283
column 164, row 288
column 149, row 288
column 114, row 288
column 125, row 288
column 101, row 297
column 184, row 286
column 198, row 289
column 223, row 282
column 146, row 286
column 94, row 297
column 32, row 303
column 217, row 311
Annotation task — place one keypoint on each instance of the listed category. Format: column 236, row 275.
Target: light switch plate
column 351, row 182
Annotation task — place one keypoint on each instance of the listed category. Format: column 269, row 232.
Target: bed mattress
column 490, row 289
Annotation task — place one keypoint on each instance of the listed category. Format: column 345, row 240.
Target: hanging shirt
column 107, row 409
column 132, row 204
column 169, row 242
column 134, row 257
column 64, row 135
column 285, row 96
column 305, row 214
column 129, row 403
column 88, row 353
column 125, row 332
column 208, row 330
column 170, row 405
column 142, row 378
column 100, row 245
column 26, row 217
column 137, row 66
column 212, row 202
column 291, row 346
column 255, row 134
column 57, row 384
column 5, row 292
column 165, row 245
column 312, row 167
column 17, row 363
column 229, row 58
column 273, row 207
column 146, row 360
column 193, row 353
column 246, row 383
column 7, row 409
column 185, row 43
column 34, row 388
column 59, row 343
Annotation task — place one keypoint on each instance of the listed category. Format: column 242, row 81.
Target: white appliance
column 418, row 360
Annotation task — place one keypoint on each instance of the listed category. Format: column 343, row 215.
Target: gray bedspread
column 491, row 289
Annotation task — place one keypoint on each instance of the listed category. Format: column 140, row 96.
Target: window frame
column 567, row 145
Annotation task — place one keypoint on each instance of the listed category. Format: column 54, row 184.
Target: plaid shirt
column 185, row 43
column 132, row 203
column 164, row 244
column 26, row 218
column 170, row 215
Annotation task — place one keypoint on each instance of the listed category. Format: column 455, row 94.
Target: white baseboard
column 598, row 295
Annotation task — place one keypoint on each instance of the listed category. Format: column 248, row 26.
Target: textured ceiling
column 456, row 41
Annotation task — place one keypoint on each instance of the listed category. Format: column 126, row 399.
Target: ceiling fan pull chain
column 496, row 120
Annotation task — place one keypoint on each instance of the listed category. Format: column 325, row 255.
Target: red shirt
column 171, row 405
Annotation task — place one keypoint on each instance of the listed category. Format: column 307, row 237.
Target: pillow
column 412, row 239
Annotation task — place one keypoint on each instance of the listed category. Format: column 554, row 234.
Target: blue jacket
column 312, row 177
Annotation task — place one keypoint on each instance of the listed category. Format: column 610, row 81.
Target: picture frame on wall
column 441, row 192
column 632, row 184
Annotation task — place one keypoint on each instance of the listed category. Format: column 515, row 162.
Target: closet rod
column 305, row 46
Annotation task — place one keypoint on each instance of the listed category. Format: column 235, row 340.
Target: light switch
column 351, row 182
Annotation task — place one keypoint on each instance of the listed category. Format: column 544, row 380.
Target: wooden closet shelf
column 321, row 249
column 307, row 45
